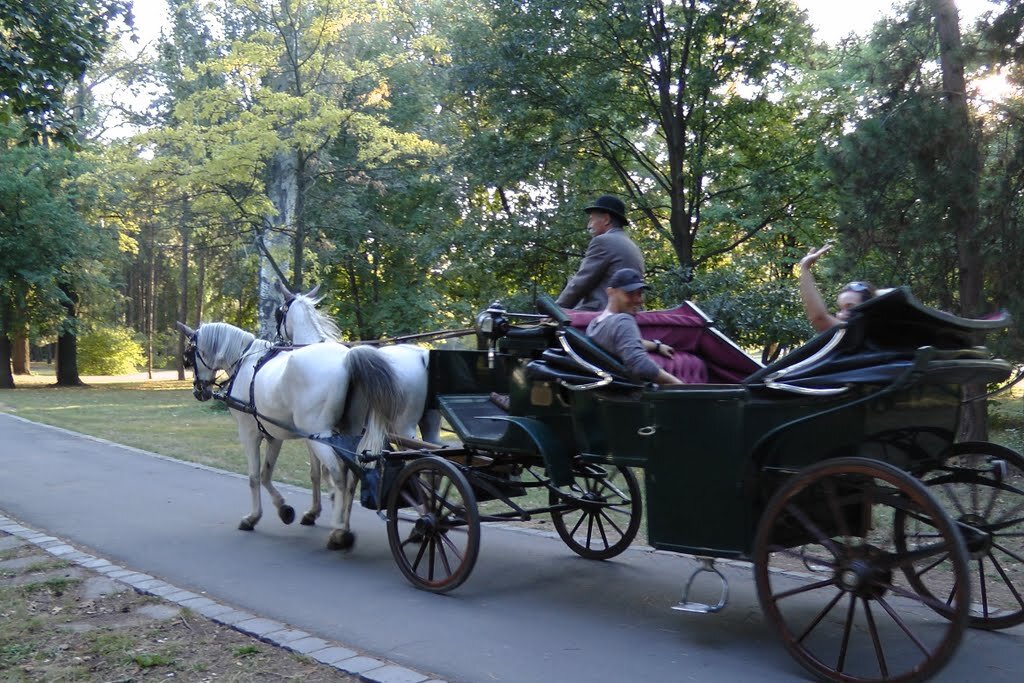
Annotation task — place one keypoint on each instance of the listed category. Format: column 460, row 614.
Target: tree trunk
column 20, row 356
column 965, row 164
column 282, row 188
column 200, row 285
column 6, row 376
column 67, row 341
column 150, row 304
column 185, row 231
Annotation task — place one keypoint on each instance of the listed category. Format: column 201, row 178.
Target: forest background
column 419, row 160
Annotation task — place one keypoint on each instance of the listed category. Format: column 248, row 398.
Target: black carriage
column 875, row 538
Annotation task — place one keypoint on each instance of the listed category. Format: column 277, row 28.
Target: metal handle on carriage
column 606, row 378
column 771, row 381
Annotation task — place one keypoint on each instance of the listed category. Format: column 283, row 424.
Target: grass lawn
column 158, row 415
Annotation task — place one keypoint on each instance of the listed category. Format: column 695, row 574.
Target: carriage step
column 707, row 564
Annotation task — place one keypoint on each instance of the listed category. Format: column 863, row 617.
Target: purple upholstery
column 702, row 353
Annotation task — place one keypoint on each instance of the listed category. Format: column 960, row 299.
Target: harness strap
column 271, row 353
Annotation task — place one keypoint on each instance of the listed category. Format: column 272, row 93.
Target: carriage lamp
column 491, row 325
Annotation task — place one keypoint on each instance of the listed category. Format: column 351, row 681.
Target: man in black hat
column 617, row 332
column 609, row 250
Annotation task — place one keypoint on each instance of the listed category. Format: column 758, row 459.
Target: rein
column 440, row 334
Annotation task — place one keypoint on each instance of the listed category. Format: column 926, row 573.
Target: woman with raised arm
column 852, row 294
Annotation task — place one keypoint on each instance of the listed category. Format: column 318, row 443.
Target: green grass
column 156, row 415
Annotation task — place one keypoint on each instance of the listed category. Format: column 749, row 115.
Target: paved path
column 531, row 611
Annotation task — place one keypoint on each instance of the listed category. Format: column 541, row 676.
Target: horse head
column 192, row 358
column 298, row 320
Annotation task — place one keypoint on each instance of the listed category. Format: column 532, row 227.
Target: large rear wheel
column 599, row 513
column 981, row 486
column 433, row 524
column 828, row 573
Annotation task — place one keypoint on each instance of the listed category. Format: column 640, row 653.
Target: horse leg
column 430, row 426
column 251, row 439
column 284, row 511
column 347, row 538
column 315, row 469
column 341, row 537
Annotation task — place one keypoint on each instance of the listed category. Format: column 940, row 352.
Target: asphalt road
column 531, row 611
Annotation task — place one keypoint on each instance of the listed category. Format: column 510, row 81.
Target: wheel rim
column 433, row 525
column 856, row 617
column 604, row 513
column 981, row 485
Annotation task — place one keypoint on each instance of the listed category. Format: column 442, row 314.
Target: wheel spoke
column 903, row 626
column 419, row 555
column 875, row 640
column 1006, row 579
column 983, row 586
column 776, row 597
column 813, row 528
column 841, row 664
column 821, row 615
column 926, row 599
column 1014, row 555
column 611, row 522
column 444, row 557
column 600, row 529
column 1010, row 513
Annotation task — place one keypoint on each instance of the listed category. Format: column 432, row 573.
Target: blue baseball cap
column 628, row 280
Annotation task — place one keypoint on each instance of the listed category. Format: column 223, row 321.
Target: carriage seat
column 556, row 364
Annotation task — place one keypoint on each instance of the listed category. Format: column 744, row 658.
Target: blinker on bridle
column 280, row 315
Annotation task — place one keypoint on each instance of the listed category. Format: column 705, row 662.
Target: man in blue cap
column 616, row 330
column 610, row 249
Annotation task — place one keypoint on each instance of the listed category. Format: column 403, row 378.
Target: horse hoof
column 287, row 514
column 341, row 540
column 246, row 525
column 308, row 519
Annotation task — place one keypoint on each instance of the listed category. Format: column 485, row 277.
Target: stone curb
column 335, row 655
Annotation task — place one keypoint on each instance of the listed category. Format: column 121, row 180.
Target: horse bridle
column 200, row 387
column 281, row 315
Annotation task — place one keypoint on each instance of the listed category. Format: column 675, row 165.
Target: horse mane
column 324, row 325
column 227, row 341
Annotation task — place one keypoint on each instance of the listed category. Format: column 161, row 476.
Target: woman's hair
column 865, row 289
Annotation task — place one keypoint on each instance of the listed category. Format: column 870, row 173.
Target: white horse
column 299, row 322
column 309, row 391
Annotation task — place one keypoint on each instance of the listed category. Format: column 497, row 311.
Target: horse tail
column 370, row 374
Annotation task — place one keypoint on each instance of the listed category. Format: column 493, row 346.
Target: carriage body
column 885, row 387
column 820, row 469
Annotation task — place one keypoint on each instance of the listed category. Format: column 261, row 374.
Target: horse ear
column 285, row 292
column 311, row 294
column 185, row 328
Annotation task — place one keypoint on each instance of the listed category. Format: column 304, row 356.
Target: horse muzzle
column 202, row 392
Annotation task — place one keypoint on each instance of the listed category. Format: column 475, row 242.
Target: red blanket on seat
column 702, row 354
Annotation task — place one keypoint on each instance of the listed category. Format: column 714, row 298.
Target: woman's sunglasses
column 857, row 287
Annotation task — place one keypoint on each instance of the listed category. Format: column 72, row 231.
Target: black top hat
column 609, row 204
column 628, row 280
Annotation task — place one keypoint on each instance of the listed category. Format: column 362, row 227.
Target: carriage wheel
column 858, row 619
column 433, row 524
column 604, row 513
column 980, row 485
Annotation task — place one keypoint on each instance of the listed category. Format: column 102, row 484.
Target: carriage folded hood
column 884, row 338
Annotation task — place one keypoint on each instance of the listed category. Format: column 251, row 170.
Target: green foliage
column 45, row 240
column 48, row 44
column 109, row 351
